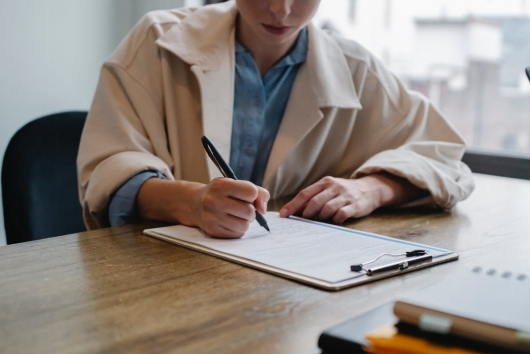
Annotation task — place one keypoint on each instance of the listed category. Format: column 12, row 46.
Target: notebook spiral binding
column 505, row 274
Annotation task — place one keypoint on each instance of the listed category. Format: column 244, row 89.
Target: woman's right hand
column 223, row 208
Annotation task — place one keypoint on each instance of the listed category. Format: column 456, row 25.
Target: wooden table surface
column 115, row 290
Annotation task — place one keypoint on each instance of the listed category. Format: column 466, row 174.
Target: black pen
column 227, row 172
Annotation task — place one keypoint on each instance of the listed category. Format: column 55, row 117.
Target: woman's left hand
column 340, row 199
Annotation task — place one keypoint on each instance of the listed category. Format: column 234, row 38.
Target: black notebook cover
column 349, row 336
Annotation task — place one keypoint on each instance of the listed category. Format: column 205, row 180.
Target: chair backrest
column 39, row 179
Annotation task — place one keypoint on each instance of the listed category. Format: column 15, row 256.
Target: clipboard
column 307, row 251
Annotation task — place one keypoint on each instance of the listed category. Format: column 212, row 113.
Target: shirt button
column 250, row 150
column 257, row 101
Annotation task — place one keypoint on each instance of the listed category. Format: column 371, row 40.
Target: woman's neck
column 264, row 54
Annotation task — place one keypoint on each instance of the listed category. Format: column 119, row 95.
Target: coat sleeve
column 405, row 135
column 125, row 131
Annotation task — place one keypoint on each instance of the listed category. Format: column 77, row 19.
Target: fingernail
column 265, row 206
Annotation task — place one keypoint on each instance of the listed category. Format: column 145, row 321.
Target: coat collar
column 328, row 72
column 200, row 38
column 203, row 35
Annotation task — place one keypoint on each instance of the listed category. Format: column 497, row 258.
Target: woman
column 298, row 112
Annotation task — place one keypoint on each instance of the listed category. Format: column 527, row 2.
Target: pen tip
column 267, row 227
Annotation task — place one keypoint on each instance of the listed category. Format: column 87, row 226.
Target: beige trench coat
column 172, row 80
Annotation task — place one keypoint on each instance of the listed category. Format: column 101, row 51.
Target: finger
column 350, row 211
column 221, row 232
column 261, row 201
column 240, row 209
column 315, row 205
column 227, row 226
column 244, row 190
column 299, row 202
column 237, row 225
column 330, row 208
column 215, row 206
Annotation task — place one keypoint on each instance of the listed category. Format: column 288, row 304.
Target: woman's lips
column 276, row 30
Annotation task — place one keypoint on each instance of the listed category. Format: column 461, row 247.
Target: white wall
column 51, row 52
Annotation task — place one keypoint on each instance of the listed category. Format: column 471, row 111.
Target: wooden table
column 115, row 290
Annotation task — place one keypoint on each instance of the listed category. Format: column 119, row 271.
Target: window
column 468, row 56
column 352, row 10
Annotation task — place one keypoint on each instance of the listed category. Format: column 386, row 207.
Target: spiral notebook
column 311, row 252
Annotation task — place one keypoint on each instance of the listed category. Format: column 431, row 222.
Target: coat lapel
column 205, row 40
column 324, row 80
column 217, row 97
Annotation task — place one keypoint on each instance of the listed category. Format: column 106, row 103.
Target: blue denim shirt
column 259, row 106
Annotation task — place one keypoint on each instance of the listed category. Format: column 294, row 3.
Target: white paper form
column 313, row 249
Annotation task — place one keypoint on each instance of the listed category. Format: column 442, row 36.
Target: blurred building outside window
column 468, row 56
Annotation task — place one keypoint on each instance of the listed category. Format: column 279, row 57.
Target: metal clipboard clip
column 419, row 257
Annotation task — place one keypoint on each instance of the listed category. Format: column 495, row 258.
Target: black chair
column 39, row 179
